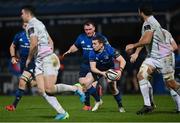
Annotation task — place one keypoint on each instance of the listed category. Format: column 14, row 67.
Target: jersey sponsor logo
column 147, row 27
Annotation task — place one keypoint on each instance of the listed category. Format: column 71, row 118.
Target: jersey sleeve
column 16, row 39
column 114, row 52
column 32, row 31
column 92, row 56
column 77, row 43
column 148, row 27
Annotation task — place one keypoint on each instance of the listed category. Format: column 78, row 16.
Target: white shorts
column 48, row 65
column 164, row 65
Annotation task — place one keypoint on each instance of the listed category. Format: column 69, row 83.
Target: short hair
column 99, row 38
column 89, row 22
column 146, row 9
column 29, row 8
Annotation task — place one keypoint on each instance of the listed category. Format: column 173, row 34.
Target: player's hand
column 104, row 74
column 119, row 74
column 129, row 47
column 133, row 57
column 68, row 52
column 14, row 60
column 27, row 62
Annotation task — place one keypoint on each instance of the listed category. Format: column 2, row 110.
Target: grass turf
column 36, row 109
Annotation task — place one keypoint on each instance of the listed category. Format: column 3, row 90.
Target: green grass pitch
column 36, row 109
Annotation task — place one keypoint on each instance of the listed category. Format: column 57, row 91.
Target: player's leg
column 50, row 72
column 58, row 88
column 176, row 99
column 143, row 75
column 87, row 81
column 25, row 77
column 115, row 92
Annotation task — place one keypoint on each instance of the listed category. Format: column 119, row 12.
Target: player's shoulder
column 20, row 33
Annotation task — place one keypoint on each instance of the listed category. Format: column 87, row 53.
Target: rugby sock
column 176, row 98
column 92, row 91
column 52, row 100
column 118, row 99
column 87, row 99
column 145, row 91
column 64, row 87
column 151, row 93
column 178, row 91
column 19, row 94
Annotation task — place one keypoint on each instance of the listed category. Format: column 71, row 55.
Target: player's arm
column 12, row 50
column 174, row 45
column 32, row 49
column 135, row 55
column 144, row 40
column 95, row 70
column 51, row 43
column 72, row 49
column 122, row 63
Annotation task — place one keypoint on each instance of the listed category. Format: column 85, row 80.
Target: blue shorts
column 30, row 67
column 84, row 70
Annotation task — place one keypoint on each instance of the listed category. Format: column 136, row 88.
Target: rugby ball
column 111, row 74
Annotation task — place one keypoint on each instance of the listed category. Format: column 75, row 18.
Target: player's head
column 89, row 28
column 98, row 43
column 145, row 10
column 27, row 12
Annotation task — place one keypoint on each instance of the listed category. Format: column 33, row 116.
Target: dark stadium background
column 116, row 19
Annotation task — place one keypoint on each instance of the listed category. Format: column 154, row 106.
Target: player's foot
column 101, row 101
column 177, row 112
column 153, row 105
column 10, row 108
column 81, row 95
column 121, row 109
column 87, row 108
column 96, row 106
column 145, row 109
column 62, row 116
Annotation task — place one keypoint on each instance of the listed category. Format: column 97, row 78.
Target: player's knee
column 113, row 88
column 172, row 84
column 22, row 84
column 144, row 72
column 49, row 90
column 25, row 77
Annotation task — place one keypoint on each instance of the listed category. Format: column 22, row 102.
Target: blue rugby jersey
column 105, row 59
column 84, row 43
column 22, row 43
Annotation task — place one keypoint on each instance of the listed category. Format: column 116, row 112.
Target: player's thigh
column 51, row 65
column 146, row 69
column 87, row 80
column 40, row 83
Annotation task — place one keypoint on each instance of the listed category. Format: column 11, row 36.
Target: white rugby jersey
column 37, row 28
column 158, row 46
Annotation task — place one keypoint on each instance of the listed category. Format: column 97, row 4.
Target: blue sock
column 92, row 91
column 118, row 99
column 87, row 102
column 19, row 93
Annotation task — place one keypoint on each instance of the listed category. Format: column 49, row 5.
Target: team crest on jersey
column 106, row 57
column 20, row 39
column 26, row 44
column 88, row 46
